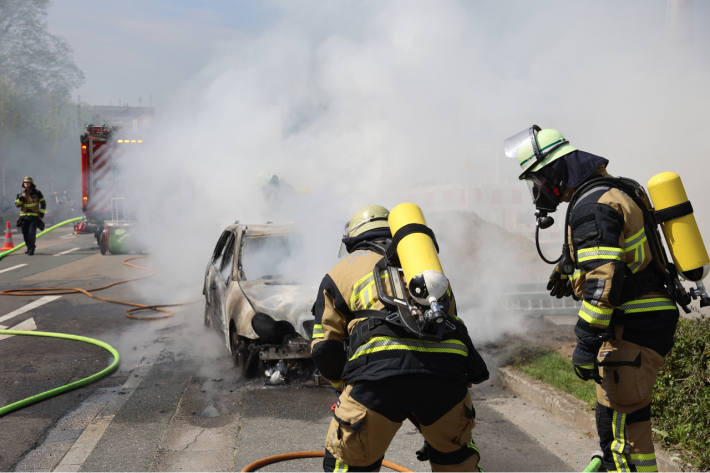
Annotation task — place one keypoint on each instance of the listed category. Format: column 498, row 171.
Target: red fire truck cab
column 101, row 197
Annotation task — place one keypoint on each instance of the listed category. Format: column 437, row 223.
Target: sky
column 374, row 101
column 136, row 51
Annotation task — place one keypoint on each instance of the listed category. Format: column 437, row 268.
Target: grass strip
column 552, row 368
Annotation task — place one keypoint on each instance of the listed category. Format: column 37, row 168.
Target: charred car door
column 214, row 287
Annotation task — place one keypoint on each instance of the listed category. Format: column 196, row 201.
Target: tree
column 37, row 76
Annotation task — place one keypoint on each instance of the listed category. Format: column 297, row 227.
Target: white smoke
column 367, row 102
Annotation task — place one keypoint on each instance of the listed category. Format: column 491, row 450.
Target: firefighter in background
column 32, row 208
column 627, row 318
column 387, row 374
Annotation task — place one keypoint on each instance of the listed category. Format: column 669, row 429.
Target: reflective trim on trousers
column 644, row 461
column 340, row 466
column 647, row 305
column 618, row 445
column 377, row 344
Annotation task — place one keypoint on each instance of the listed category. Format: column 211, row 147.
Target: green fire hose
column 67, row 387
column 52, row 228
column 595, row 464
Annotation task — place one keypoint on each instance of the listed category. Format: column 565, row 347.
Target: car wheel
column 251, row 364
column 247, row 360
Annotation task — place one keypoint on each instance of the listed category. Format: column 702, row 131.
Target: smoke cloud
column 381, row 102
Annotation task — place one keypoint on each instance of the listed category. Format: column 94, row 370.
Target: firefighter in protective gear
column 32, row 208
column 627, row 319
column 389, row 374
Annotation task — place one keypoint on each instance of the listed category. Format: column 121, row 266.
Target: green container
column 121, row 238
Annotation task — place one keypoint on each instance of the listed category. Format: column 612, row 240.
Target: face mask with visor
column 545, row 184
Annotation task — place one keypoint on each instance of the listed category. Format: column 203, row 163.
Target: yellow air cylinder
column 417, row 253
column 682, row 234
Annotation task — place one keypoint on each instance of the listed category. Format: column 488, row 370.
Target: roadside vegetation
column 552, row 368
column 681, row 399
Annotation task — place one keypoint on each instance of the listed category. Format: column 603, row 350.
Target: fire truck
column 102, row 200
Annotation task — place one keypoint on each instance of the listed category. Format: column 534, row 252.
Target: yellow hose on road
column 67, row 387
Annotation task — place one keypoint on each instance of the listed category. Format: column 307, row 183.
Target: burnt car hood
column 281, row 301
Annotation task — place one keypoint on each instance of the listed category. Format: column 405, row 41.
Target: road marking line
column 67, row 251
column 12, row 267
column 27, row 325
column 75, row 457
column 67, row 236
column 32, row 305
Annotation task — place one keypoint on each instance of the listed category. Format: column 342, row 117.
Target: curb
column 567, row 408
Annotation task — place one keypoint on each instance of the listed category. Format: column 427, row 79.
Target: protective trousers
column 29, row 231
column 623, row 411
column 368, row 415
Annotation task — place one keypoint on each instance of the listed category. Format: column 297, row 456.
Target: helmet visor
column 523, row 146
column 512, row 144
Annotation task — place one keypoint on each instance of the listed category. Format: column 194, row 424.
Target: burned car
column 253, row 298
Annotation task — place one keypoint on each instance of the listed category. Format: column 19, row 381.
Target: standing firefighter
column 392, row 365
column 32, row 208
column 610, row 261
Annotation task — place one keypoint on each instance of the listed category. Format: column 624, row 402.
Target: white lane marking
column 27, row 325
column 32, row 305
column 89, row 438
column 68, row 236
column 67, row 251
column 12, row 267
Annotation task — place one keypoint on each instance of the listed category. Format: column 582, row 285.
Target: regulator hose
column 67, row 387
column 254, row 466
column 40, row 234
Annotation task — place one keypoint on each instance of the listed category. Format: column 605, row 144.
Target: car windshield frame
column 251, row 258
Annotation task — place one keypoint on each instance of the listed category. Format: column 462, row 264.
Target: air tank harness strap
column 645, row 281
column 674, row 211
column 405, row 231
column 370, row 321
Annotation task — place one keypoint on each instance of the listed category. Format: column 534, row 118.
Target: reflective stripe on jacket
column 33, row 204
column 608, row 243
column 346, row 295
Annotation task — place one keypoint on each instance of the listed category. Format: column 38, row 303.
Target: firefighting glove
column 559, row 284
column 585, row 363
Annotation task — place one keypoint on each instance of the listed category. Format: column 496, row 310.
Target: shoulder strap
column 405, row 231
column 637, row 193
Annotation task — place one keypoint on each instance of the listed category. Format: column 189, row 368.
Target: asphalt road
column 177, row 403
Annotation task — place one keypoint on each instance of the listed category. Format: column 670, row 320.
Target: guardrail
column 533, row 299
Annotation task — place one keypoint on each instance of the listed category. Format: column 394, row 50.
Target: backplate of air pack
column 403, row 315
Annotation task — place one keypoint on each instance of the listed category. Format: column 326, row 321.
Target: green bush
column 681, row 398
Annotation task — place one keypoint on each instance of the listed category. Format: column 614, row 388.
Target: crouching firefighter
column 614, row 262
column 398, row 356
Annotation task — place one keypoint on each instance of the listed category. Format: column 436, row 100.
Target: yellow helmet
column 367, row 218
column 27, row 179
column 535, row 148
